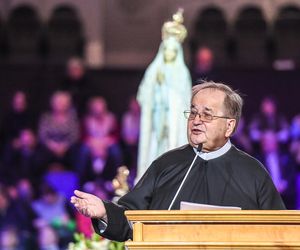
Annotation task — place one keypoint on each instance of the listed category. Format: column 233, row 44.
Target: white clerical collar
column 214, row 154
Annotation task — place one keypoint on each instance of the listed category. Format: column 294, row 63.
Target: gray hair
column 233, row 102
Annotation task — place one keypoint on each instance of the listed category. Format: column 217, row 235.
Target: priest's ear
column 231, row 123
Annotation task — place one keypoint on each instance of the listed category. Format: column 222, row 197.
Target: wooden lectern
column 214, row 229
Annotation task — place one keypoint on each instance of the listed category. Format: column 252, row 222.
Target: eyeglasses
column 205, row 117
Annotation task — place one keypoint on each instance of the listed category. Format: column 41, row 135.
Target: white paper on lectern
column 184, row 205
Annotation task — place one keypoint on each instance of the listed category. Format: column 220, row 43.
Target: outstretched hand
column 89, row 205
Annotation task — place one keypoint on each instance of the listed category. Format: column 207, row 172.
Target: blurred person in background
column 76, row 82
column 16, row 216
column 100, row 152
column 25, row 161
column 241, row 138
column 295, row 151
column 16, row 119
column 25, row 192
column 59, row 129
column 48, row 239
column 130, row 129
column 204, row 67
column 53, row 210
column 281, row 167
column 295, row 138
column 9, row 239
column 268, row 119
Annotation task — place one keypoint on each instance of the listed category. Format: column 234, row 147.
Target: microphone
column 199, row 148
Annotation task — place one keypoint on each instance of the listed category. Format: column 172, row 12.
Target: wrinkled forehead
column 200, row 108
column 210, row 100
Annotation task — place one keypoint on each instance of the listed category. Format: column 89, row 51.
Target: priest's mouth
column 197, row 131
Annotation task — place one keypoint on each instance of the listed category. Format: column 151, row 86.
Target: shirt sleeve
column 117, row 228
column 101, row 225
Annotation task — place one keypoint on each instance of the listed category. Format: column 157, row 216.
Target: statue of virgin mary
column 164, row 93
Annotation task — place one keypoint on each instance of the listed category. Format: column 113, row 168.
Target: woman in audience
column 59, row 129
column 100, row 153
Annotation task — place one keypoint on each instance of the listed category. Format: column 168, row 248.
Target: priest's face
column 206, row 128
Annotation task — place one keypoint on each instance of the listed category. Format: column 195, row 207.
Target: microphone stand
column 199, row 148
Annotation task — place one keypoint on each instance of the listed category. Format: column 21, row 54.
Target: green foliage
column 114, row 245
column 96, row 242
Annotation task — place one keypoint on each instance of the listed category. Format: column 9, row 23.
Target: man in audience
column 281, row 166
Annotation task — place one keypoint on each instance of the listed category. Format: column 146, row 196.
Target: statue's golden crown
column 175, row 28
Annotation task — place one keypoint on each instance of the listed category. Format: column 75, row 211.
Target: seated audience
column 25, row 161
column 53, row 210
column 281, row 166
column 48, row 239
column 100, row 153
column 17, row 118
column 16, row 216
column 269, row 119
column 59, row 129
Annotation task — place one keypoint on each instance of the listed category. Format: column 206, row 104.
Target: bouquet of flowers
column 96, row 242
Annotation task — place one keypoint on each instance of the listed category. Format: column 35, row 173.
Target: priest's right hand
column 89, row 205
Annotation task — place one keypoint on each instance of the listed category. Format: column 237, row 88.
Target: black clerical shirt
column 226, row 177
